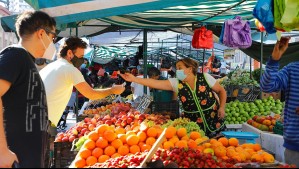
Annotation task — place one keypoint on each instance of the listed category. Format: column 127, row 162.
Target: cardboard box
column 275, row 95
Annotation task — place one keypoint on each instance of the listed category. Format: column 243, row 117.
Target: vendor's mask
column 77, row 62
column 180, row 75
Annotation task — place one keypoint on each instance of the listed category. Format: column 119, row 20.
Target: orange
column 97, row 152
column 109, row 135
column 224, row 141
column 170, row 132
column 233, row 142
column 220, row 151
column 134, row 149
column 192, row 144
column 151, row 132
column 257, row 158
column 80, row 162
column 102, row 143
column 93, row 136
column 185, row 138
column 101, row 129
column 89, row 144
column 103, row 158
column 150, row 141
column 142, row 136
column 91, row 160
column 181, row 144
column 140, row 143
column 123, row 150
column 145, row 147
column 115, row 155
column 181, row 132
column 167, row 145
column 212, row 141
column 84, row 153
column 120, row 130
column 110, row 150
column 122, row 137
column 117, row 143
column 132, row 140
column 174, row 139
column 256, row 147
column 268, row 158
column 194, row 135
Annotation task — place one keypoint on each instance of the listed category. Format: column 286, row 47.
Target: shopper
column 23, row 107
column 286, row 80
column 195, row 92
column 63, row 74
column 138, row 89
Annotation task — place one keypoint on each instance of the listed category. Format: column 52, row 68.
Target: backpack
column 202, row 38
column 237, row 33
column 263, row 11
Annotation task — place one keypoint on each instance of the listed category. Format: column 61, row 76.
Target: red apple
column 107, row 117
column 109, row 122
column 124, row 117
column 65, row 139
column 72, row 138
column 83, row 131
column 87, row 119
column 129, row 120
column 123, row 123
column 136, row 112
column 79, row 128
column 141, row 117
column 58, row 140
column 85, row 125
column 93, row 121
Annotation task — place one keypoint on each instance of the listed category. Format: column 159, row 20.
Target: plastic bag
column 263, row 11
column 237, row 33
column 202, row 38
column 290, row 16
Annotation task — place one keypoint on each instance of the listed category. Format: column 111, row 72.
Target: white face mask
column 50, row 50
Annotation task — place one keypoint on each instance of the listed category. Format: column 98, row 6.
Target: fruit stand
column 115, row 135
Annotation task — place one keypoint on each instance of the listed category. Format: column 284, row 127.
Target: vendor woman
column 198, row 93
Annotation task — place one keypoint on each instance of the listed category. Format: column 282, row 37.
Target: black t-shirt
column 25, row 107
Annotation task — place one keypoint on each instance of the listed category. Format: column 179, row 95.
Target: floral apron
column 201, row 106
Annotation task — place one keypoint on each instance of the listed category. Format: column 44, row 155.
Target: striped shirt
column 287, row 80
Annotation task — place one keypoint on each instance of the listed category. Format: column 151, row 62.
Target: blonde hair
column 190, row 63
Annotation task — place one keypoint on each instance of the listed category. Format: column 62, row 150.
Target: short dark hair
column 72, row 43
column 153, row 71
column 30, row 21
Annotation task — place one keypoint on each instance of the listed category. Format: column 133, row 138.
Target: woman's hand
column 118, row 89
column 128, row 77
column 221, row 112
column 7, row 158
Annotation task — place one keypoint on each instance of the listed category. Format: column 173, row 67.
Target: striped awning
column 104, row 54
column 140, row 13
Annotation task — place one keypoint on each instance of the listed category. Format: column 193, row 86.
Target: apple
column 79, row 128
column 141, row 117
column 85, row 125
column 86, row 133
column 109, row 122
column 91, row 127
column 72, row 138
column 87, row 119
column 118, row 123
column 124, row 117
column 75, row 131
column 129, row 120
column 65, row 139
column 83, row 131
column 58, row 140
column 107, row 117
column 123, row 123
column 93, row 121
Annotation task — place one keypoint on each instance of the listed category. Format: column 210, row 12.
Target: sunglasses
column 51, row 32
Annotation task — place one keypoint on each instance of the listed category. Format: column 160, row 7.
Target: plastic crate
column 166, row 108
column 278, row 128
column 244, row 137
column 63, row 154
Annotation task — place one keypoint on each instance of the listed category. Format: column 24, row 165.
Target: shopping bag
column 202, row 38
column 237, row 33
column 263, row 11
column 290, row 16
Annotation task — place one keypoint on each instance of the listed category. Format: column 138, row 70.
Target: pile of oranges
column 107, row 142
column 230, row 149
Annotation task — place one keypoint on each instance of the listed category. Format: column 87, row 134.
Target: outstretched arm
column 155, row 84
column 95, row 94
column 7, row 157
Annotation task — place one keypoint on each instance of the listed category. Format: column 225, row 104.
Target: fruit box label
column 144, row 103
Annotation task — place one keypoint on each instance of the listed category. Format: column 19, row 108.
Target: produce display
column 238, row 77
column 239, row 112
column 264, row 123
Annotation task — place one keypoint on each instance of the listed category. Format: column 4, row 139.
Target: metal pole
column 262, row 53
column 203, row 60
column 77, row 100
column 145, row 58
column 250, row 61
column 177, row 39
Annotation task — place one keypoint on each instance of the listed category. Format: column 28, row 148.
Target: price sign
column 144, row 103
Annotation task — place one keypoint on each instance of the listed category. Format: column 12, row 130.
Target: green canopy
column 104, row 54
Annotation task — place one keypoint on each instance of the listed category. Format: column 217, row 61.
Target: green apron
column 201, row 106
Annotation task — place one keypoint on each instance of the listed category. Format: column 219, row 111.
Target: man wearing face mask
column 63, row 74
column 23, row 104
column 196, row 93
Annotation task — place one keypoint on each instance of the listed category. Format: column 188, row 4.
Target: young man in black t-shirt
column 23, row 105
